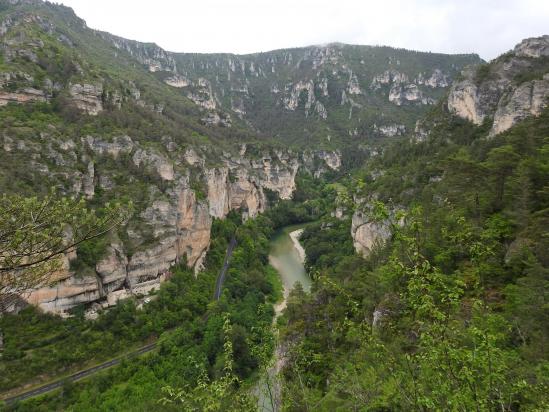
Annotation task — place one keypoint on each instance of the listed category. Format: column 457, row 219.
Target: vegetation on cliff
column 452, row 312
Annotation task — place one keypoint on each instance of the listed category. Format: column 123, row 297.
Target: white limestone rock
column 87, row 97
column 163, row 166
column 177, row 81
column 368, row 235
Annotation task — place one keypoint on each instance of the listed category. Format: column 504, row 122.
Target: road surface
column 77, row 376
column 223, row 272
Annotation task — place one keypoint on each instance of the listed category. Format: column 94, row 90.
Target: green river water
column 285, row 258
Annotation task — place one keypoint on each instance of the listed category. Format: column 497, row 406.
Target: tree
column 465, row 180
column 501, row 162
column 36, row 232
column 221, row 394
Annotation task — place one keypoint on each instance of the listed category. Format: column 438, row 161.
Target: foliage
column 194, row 336
column 218, row 395
column 36, row 232
column 450, row 314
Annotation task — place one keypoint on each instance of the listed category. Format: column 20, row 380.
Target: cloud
column 487, row 27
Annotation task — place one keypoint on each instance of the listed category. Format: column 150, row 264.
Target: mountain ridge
column 299, row 94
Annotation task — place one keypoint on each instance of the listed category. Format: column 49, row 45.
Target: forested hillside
column 449, row 311
column 331, row 94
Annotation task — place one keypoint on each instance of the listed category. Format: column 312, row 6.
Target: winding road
column 221, row 278
column 147, row 348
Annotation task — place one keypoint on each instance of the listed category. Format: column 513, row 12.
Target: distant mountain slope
column 304, row 95
column 48, row 54
column 312, row 93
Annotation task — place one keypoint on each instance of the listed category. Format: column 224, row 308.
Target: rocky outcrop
column 332, row 159
column 66, row 294
column 409, row 93
column 112, row 269
column 216, row 119
column 88, row 181
column 529, row 99
column 24, row 96
column 119, row 145
column 496, row 92
column 292, row 101
column 246, row 194
column 534, row 47
column 367, row 234
column 388, row 77
column 277, row 175
column 193, row 226
column 390, row 130
column 87, row 97
column 436, row 80
column 163, row 166
column 403, row 91
column 352, row 86
column 218, row 193
column 177, row 81
column 192, row 158
column 463, row 101
column 240, row 183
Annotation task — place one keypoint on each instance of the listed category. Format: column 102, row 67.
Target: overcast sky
column 486, row 27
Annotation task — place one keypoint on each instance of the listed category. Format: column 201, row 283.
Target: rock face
column 368, row 235
column 87, row 97
column 332, row 159
column 192, row 227
column 529, row 99
column 175, row 223
column 23, row 96
column 390, row 130
column 497, row 91
column 177, row 81
column 403, row 91
column 163, row 166
column 534, row 47
column 463, row 101
column 66, row 294
column 409, row 93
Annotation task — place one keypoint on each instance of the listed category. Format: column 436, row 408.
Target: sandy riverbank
column 295, row 235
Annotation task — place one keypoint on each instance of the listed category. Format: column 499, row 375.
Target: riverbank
column 287, row 257
column 295, row 235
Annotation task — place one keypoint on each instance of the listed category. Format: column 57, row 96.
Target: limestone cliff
column 174, row 224
column 367, row 234
column 509, row 89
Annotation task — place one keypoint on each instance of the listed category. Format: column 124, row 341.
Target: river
column 287, row 257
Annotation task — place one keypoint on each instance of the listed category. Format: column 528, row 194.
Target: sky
column 486, row 27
